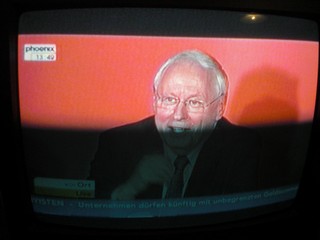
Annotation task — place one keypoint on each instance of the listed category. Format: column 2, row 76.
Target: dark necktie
column 176, row 184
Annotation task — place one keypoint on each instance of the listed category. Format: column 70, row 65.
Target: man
column 139, row 160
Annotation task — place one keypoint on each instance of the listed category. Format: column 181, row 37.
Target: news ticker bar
column 161, row 207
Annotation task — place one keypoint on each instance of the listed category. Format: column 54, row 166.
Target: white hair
column 204, row 61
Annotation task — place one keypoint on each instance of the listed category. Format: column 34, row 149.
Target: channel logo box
column 40, row 52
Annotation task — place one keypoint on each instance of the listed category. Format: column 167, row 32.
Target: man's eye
column 170, row 100
column 195, row 103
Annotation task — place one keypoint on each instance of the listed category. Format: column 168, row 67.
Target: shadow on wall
column 273, row 98
column 272, row 109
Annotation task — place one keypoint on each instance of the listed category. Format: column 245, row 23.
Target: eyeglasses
column 193, row 105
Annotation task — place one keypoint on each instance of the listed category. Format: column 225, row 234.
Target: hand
column 152, row 169
column 123, row 192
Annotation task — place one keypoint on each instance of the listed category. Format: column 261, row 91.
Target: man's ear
column 154, row 104
column 221, row 107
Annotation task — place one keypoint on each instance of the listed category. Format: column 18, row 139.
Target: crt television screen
column 101, row 129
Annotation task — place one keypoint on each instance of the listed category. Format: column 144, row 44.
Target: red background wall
column 98, row 82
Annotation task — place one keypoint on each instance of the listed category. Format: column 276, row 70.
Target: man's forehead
column 186, row 70
column 187, row 73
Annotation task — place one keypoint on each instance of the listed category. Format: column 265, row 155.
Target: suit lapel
column 203, row 169
column 207, row 175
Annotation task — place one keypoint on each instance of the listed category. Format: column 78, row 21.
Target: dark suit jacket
column 227, row 163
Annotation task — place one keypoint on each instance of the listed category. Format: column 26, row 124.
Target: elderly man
column 187, row 148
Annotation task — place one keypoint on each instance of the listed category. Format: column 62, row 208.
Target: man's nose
column 181, row 111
